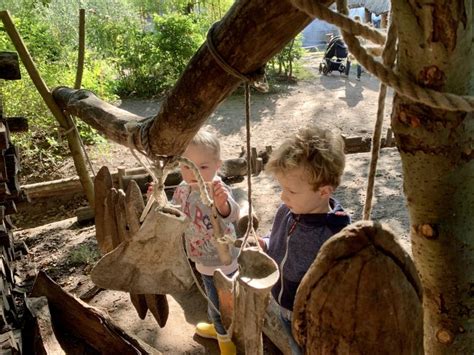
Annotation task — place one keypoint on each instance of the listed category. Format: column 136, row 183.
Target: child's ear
column 326, row 190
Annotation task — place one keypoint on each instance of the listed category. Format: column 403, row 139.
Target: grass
column 83, row 254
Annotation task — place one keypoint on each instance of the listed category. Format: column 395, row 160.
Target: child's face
column 298, row 195
column 206, row 161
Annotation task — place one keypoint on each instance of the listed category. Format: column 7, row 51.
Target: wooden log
column 257, row 30
column 361, row 295
column 9, row 66
column 86, row 322
column 72, row 185
column 39, row 337
column 84, row 215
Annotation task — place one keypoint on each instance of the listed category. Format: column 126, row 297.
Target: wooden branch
column 72, row 138
column 81, row 49
column 87, row 322
column 249, row 35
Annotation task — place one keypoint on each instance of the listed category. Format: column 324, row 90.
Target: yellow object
column 226, row 345
column 206, row 330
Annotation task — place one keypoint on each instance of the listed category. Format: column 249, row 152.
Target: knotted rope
column 402, row 85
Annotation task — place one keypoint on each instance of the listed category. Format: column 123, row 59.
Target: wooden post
column 81, row 49
column 121, row 172
column 367, row 16
column 73, row 140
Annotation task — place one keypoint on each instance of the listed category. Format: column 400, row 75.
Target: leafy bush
column 283, row 63
column 150, row 61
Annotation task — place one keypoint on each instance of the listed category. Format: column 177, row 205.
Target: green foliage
column 83, row 254
column 283, row 63
column 149, row 62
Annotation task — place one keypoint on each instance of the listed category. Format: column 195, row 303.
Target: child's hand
column 221, row 195
column 262, row 244
column 149, row 191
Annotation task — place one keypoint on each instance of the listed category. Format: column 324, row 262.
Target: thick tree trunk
column 250, row 33
column 436, row 148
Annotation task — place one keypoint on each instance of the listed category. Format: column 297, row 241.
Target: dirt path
column 333, row 101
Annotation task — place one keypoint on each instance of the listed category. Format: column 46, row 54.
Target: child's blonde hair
column 320, row 152
column 209, row 140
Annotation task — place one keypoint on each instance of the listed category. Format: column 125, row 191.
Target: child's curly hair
column 320, row 152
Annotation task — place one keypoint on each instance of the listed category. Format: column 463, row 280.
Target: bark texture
column 436, row 147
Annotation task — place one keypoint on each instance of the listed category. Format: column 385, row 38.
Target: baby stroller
column 335, row 57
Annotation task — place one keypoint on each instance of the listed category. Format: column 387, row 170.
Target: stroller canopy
column 336, row 48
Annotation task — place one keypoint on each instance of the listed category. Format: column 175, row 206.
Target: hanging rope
column 73, row 127
column 256, row 78
column 388, row 58
column 403, row 86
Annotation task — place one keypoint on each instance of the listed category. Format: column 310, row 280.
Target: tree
column 436, row 147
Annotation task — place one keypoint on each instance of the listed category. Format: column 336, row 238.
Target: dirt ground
column 332, row 101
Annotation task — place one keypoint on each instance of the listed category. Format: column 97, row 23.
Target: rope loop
column 256, row 78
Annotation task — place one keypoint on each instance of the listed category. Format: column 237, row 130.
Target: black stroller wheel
column 325, row 69
column 320, row 67
column 342, row 68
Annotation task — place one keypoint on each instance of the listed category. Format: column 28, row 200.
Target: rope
column 256, row 78
column 402, row 85
column 388, row 58
column 250, row 229
column 74, row 128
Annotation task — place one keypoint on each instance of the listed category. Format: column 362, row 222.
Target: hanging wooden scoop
column 361, row 295
column 250, row 292
column 153, row 261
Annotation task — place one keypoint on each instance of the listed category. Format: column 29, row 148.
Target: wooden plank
column 9, row 66
column 39, row 334
column 102, row 185
column 87, row 322
column 120, row 218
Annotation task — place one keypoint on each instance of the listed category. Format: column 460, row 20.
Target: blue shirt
column 295, row 241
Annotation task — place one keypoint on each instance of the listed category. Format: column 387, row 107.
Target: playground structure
column 431, row 227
